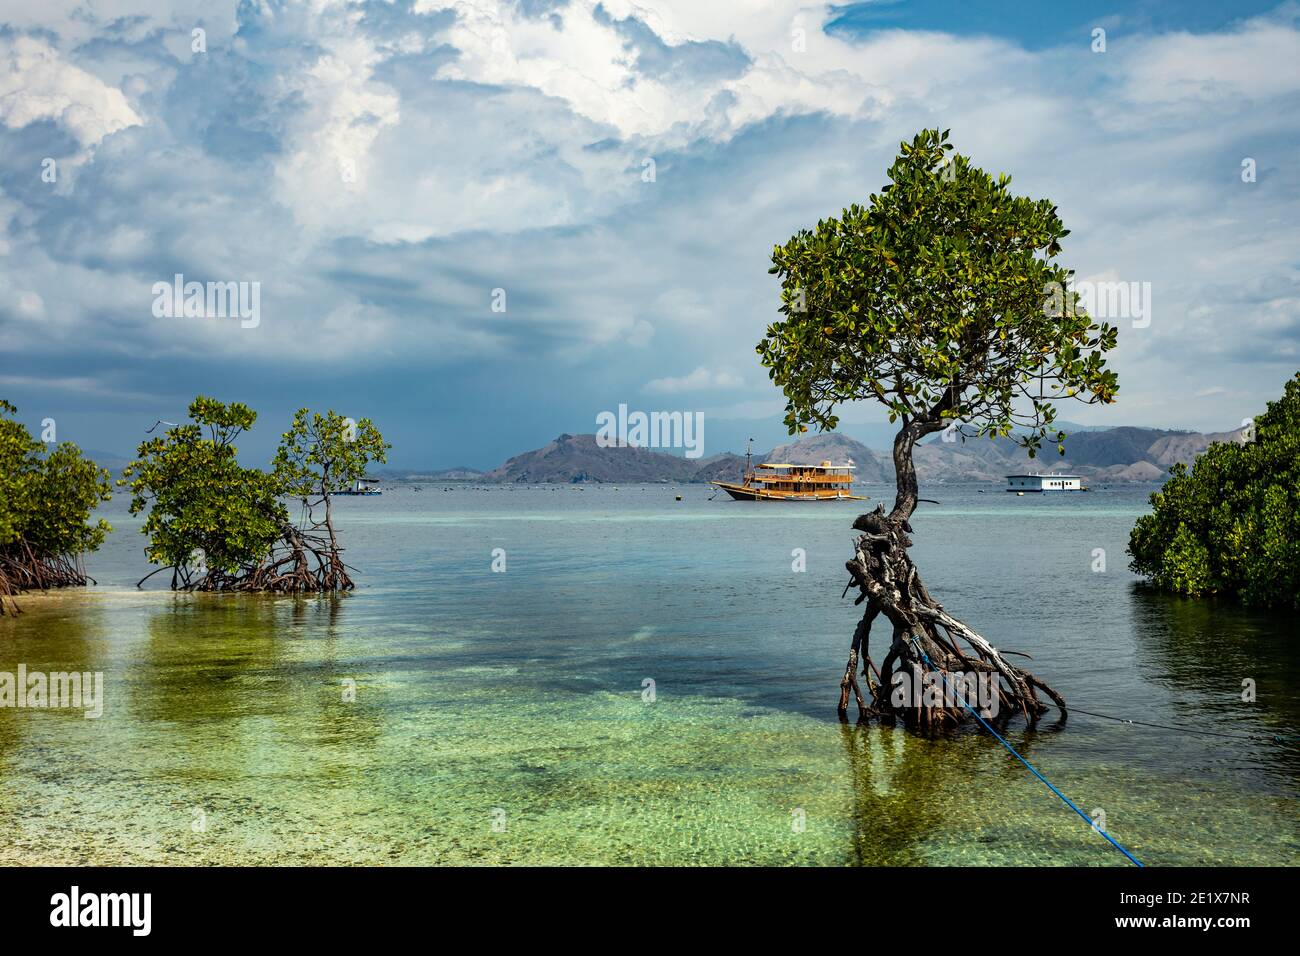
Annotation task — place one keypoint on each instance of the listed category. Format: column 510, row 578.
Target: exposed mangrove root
column 927, row 676
column 23, row 569
column 300, row 562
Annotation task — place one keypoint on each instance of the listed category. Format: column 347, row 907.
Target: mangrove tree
column 941, row 300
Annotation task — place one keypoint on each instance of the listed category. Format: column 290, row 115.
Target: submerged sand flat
column 501, row 719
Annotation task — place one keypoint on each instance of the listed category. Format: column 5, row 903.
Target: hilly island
column 1122, row 454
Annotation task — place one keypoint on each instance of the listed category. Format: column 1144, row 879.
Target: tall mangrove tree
column 942, row 300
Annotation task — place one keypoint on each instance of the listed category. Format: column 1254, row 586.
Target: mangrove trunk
column 935, row 671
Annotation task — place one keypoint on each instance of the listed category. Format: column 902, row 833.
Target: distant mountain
column 1125, row 445
column 723, row 467
column 838, row 450
column 1126, row 453
column 446, row 474
column 575, row 458
column 1185, row 446
column 457, row 474
column 111, row 460
column 1113, row 454
column 814, row 449
column 1121, row 454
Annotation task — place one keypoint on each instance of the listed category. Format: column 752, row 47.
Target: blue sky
column 380, row 168
column 1037, row 26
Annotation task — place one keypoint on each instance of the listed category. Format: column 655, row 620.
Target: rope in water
column 1032, row 769
column 1184, row 730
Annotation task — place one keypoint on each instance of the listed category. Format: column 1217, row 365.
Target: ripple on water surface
column 516, row 697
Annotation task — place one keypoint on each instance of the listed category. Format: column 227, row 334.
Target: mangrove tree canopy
column 1231, row 523
column 46, row 500
column 940, row 299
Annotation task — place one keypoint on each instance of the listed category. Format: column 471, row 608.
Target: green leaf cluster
column 940, row 299
column 326, row 453
column 46, row 500
column 1231, row 524
column 202, row 503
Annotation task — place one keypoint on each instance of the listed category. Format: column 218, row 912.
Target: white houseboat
column 365, row 486
column 1023, row 483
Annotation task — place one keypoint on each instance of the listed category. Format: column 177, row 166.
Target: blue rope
column 1032, row 769
column 1280, row 738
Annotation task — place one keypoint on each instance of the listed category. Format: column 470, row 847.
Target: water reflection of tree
column 232, row 672
column 907, row 789
column 1204, row 649
column 61, row 633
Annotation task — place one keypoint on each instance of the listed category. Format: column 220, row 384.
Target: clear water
column 499, row 717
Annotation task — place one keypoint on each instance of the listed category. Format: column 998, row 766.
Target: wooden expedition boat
column 774, row 481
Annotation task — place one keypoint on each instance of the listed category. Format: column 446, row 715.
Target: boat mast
column 749, row 461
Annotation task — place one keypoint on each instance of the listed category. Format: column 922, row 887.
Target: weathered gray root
column 926, row 640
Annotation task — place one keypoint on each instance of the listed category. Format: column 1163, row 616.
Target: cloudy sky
column 380, row 168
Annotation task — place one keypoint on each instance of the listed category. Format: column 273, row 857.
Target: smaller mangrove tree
column 218, row 525
column 46, row 500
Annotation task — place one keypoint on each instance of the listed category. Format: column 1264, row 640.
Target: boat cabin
column 365, row 486
column 775, row 476
column 781, row 481
column 1044, row 483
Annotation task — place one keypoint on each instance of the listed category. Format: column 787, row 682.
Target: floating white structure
column 364, row 487
column 1045, row 483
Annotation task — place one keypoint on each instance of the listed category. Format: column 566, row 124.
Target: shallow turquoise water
column 499, row 717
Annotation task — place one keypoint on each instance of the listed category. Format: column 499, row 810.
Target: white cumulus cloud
column 701, row 379
column 37, row 83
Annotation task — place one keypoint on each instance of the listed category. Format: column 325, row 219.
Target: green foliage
column 68, row 488
column 1231, row 525
column 18, row 450
column 46, row 499
column 320, row 454
column 940, row 300
column 202, row 503
column 205, row 507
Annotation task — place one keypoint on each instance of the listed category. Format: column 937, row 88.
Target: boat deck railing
column 807, row 477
